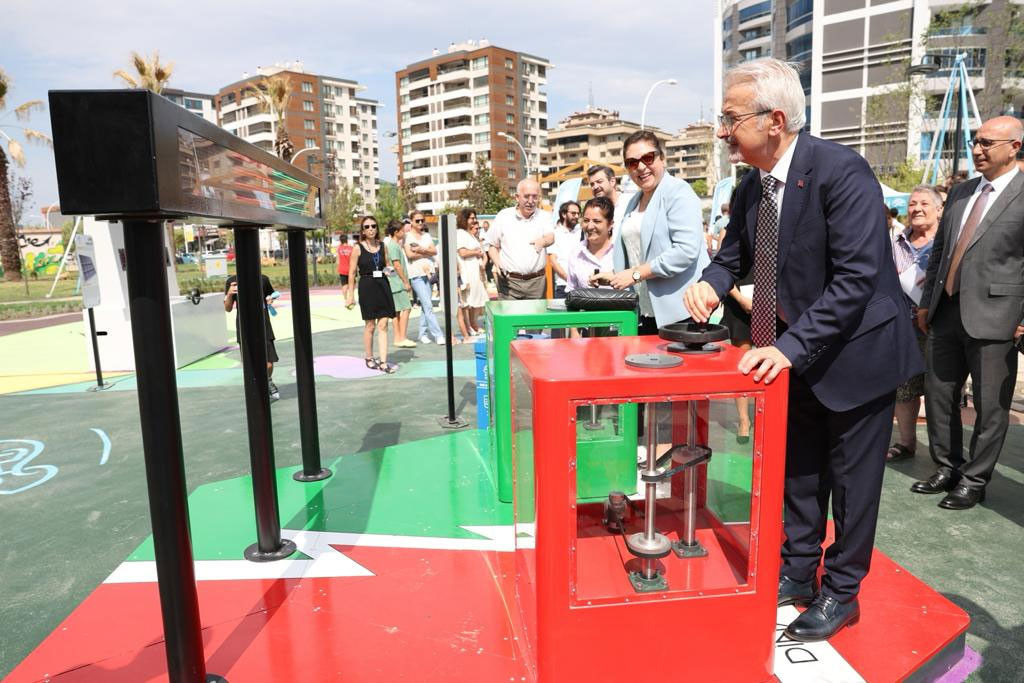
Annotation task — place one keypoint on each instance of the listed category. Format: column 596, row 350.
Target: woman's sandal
column 372, row 363
column 898, row 452
column 389, row 368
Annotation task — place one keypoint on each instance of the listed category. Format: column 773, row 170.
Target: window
column 405, row 99
column 405, row 117
column 406, row 149
column 945, row 57
column 480, row 101
column 307, row 86
column 194, row 104
column 327, row 91
column 229, row 117
column 481, row 138
column 543, row 124
column 509, row 64
column 227, row 99
column 542, row 71
column 798, row 12
column 310, row 142
column 510, row 101
column 510, row 119
column 747, row 55
column 755, row 11
column 799, row 49
column 511, row 155
column 727, row 24
column 329, row 145
column 480, row 63
column 307, row 105
column 365, row 138
column 754, row 33
column 309, row 124
column 403, row 82
column 482, row 119
column 511, row 174
column 261, row 127
column 510, row 82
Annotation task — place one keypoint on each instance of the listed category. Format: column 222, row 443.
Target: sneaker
column 440, row 341
column 275, row 395
column 424, row 339
column 406, row 344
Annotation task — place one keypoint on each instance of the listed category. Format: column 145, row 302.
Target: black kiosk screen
column 212, row 173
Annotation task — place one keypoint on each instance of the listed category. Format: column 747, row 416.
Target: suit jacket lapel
column 794, row 199
column 755, row 202
column 652, row 214
column 1005, row 198
column 956, row 217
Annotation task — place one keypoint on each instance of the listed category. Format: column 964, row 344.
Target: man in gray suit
column 971, row 309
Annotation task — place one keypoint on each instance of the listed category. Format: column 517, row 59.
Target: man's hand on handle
column 701, row 301
column 768, row 361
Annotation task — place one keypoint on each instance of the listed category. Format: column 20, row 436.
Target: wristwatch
column 636, row 275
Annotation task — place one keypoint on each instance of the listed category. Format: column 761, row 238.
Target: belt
column 527, row 276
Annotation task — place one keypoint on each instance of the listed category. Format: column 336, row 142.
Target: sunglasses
column 370, row 225
column 418, row 220
column 648, row 159
column 985, row 143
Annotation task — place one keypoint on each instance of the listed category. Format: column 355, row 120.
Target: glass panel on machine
column 663, row 499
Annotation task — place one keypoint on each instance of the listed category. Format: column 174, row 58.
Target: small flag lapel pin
column 800, row 183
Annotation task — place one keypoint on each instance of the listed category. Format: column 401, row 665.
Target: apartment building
column 458, row 106
column 854, row 56
column 199, row 104
column 688, row 154
column 324, row 115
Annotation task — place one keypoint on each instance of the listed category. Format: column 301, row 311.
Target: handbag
column 601, row 299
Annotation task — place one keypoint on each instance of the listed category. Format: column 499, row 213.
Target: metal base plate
column 100, row 387
column 685, row 552
column 316, row 476
column 652, row 361
column 253, row 554
column 458, row 423
column 644, row 585
column 660, row 546
column 676, row 347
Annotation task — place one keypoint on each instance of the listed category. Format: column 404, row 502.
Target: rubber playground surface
column 392, row 525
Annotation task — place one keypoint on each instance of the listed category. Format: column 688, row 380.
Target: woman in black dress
column 368, row 264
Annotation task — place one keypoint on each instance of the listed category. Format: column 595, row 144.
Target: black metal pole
column 95, row 349
column 959, row 128
column 253, row 343
column 309, row 433
column 153, row 341
column 449, row 421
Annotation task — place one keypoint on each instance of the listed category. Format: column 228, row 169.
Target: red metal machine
column 689, row 565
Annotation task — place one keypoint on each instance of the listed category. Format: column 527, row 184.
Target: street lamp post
column 643, row 112
column 526, row 158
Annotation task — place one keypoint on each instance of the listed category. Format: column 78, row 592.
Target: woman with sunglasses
column 420, row 251
column 659, row 246
column 369, row 265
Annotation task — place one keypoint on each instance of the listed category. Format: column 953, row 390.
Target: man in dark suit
column 827, row 303
column 971, row 309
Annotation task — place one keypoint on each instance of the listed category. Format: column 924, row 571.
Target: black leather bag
column 601, row 299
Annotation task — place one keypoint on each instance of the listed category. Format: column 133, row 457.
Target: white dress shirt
column 566, row 243
column 513, row 235
column 998, row 185
column 779, row 171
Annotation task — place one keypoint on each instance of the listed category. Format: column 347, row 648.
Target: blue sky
column 618, row 48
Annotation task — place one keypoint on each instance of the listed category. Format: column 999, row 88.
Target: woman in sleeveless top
column 377, row 306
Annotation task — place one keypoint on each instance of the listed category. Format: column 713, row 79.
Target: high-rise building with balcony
column 323, row 112
column 200, row 104
column 854, row 56
column 456, row 107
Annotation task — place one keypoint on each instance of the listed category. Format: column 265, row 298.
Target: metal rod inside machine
column 651, row 492
column 690, row 482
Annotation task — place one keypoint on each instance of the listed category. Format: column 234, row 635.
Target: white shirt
column 511, row 235
column 998, row 185
column 566, row 243
column 582, row 265
column 420, row 266
column 779, row 171
column 632, row 240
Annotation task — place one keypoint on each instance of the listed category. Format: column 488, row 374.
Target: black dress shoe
column 962, row 497
column 796, row 592
column 823, row 619
column 937, row 483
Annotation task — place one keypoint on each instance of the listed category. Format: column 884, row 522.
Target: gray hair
column 776, row 85
column 929, row 189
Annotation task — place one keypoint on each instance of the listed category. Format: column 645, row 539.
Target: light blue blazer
column 673, row 244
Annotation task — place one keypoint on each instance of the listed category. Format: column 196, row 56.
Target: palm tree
column 273, row 93
column 10, row 253
column 149, row 74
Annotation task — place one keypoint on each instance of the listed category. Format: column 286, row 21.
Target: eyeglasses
column 418, row 220
column 648, row 159
column 988, row 144
column 729, row 121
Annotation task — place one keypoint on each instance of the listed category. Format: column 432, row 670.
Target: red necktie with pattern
column 766, row 248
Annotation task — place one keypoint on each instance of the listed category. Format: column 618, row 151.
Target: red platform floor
column 440, row 615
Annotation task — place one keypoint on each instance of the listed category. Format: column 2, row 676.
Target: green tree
column 149, row 73
column 904, row 177
column 700, row 187
column 342, row 207
column 10, row 254
column 390, row 204
column 485, row 193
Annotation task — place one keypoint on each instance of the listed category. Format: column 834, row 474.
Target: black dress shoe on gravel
column 937, row 483
column 796, row 592
column 962, row 497
column 823, row 619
